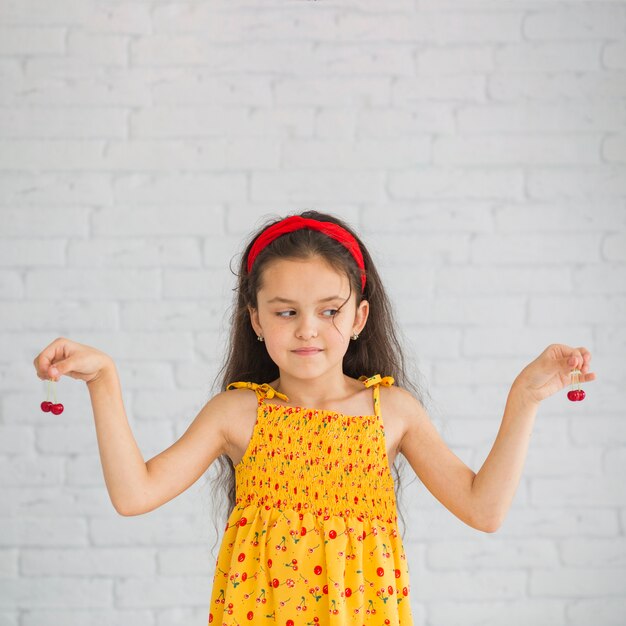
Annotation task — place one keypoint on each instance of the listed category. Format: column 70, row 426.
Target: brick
column 592, row 551
column 436, row 218
column 140, row 530
column 545, row 87
column 479, row 280
column 51, row 503
column 553, row 522
column 515, row 149
column 28, row 470
column 561, row 460
column 455, row 60
column 68, row 190
column 98, row 49
column 475, row 586
column 614, row 149
column 88, row 562
column 133, row 18
column 484, row 555
column 606, row 610
column 183, row 562
column 88, row 617
column 534, row 336
column 576, row 22
column 609, row 430
column 165, row 191
column 614, row 55
column 31, row 252
column 64, row 12
column 423, row 117
column 583, row 582
column 85, row 88
column 158, row 221
column 536, row 248
column 548, row 57
column 180, row 314
column 357, row 155
column 611, row 340
column 85, row 284
column 513, row 612
column 326, row 186
column 203, row 121
column 11, row 285
column 183, row 86
column 57, row 592
column 454, row 27
column 574, row 182
column 43, row 531
column 575, row 116
column 9, row 562
column 562, row 216
column 134, row 252
column 614, row 247
column 55, row 123
column 16, row 440
column 466, row 183
column 596, row 490
column 445, row 88
column 16, row 41
column 171, row 591
column 38, row 315
column 590, row 308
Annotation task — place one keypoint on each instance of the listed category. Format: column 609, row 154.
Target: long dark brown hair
column 247, row 359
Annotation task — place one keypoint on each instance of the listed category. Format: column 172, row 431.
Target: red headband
column 295, row 222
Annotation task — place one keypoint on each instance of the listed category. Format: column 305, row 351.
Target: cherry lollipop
column 52, row 407
column 575, row 394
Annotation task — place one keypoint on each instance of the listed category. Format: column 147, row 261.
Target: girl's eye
column 286, row 313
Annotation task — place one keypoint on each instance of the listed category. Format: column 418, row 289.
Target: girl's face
column 298, row 308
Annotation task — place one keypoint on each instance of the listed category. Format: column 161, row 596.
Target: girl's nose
column 306, row 329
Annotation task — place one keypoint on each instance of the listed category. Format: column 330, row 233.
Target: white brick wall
column 480, row 148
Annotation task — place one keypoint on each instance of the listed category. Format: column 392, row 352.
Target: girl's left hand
column 550, row 371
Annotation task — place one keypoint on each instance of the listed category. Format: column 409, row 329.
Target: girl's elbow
column 492, row 525
column 127, row 509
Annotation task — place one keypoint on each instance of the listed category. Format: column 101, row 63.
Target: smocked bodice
column 316, row 460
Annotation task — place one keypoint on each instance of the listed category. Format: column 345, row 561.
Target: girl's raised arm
column 135, row 486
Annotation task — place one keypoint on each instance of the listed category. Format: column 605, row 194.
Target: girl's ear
column 361, row 315
column 254, row 320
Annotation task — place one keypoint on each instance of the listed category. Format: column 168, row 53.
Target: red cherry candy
column 46, row 406
column 57, row 409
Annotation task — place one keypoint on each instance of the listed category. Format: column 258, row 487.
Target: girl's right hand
column 66, row 357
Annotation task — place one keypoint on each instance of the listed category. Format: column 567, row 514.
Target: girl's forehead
column 310, row 278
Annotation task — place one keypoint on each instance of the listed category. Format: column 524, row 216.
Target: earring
column 260, row 338
column 575, row 394
column 355, row 336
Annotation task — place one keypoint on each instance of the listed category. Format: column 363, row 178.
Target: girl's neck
column 317, row 392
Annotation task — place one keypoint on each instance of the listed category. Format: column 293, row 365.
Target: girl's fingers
column 579, row 359
column 50, row 354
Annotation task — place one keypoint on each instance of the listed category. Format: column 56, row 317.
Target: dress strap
column 263, row 391
column 376, row 381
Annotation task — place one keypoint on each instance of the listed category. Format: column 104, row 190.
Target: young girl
column 313, row 411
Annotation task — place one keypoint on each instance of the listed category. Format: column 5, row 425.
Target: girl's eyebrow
column 287, row 301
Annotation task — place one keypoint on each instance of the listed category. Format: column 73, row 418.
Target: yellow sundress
column 313, row 538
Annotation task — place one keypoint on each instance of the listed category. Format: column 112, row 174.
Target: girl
column 313, row 411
